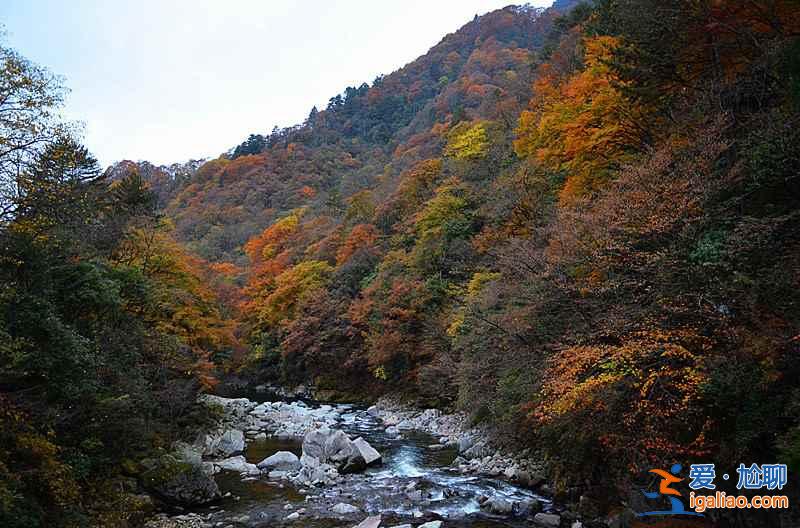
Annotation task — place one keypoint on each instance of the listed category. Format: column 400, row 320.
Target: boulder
column 315, row 473
column 498, row 505
column 231, row 442
column 334, row 447
column 369, row 453
column 280, row 461
column 192, row 454
column 547, row 520
column 344, row 509
column 370, row 522
column 527, row 506
column 181, row 482
column 224, row 443
column 307, row 461
column 326, row 444
column 431, row 524
column 238, row 464
column 232, row 407
column 464, row 443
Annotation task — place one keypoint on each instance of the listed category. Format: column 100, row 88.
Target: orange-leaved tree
column 583, row 126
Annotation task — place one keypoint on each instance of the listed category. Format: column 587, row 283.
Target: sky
column 172, row 80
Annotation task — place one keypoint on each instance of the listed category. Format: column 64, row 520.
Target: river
column 415, row 483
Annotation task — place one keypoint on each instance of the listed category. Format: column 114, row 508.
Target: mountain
column 365, row 137
column 540, row 220
column 578, row 225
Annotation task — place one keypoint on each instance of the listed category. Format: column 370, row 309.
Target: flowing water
column 415, row 483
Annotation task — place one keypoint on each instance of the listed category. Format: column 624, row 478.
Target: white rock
column 281, row 461
column 498, row 505
column 344, row 509
column 369, row 453
column 238, row 464
column 227, row 443
column 405, row 425
column 370, row 522
column 431, row 524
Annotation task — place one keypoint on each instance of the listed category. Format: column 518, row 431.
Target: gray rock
column 548, row 520
column 405, row 425
column 527, row 506
column 498, row 505
column 334, row 447
column 281, row 461
column 370, row 522
column 224, row 443
column 309, row 461
column 370, row 455
column 181, row 482
column 344, row 509
column 326, row 444
column 431, row 524
column 238, row 464
column 293, row 516
column 464, row 443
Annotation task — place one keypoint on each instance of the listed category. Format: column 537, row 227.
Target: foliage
column 107, row 324
column 584, row 126
column 579, row 227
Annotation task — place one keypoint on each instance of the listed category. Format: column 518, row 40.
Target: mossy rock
column 181, row 482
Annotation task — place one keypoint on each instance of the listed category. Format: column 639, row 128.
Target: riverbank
column 478, row 453
column 296, row 464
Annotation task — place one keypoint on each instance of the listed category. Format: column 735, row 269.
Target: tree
column 60, row 187
column 29, row 99
column 584, row 126
column 254, row 144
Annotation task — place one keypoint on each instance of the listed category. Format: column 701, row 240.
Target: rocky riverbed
column 318, row 465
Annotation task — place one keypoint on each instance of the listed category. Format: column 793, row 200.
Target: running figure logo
column 664, row 490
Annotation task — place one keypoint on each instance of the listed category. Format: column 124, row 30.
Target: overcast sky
column 166, row 81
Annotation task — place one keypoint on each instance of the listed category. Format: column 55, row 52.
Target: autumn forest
column 580, row 225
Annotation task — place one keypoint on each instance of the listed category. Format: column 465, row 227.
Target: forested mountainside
column 365, row 138
column 580, row 225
